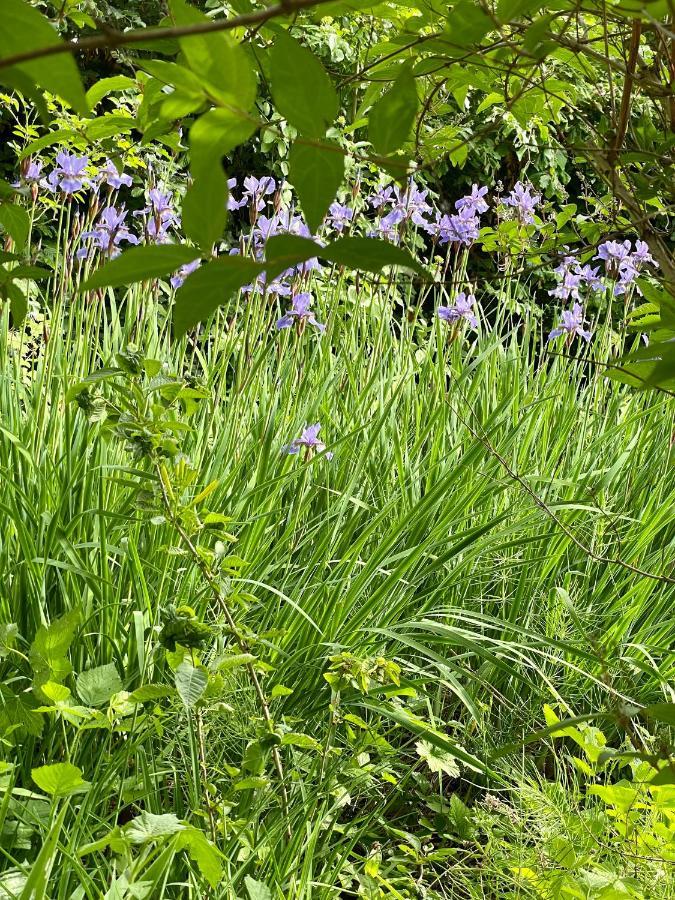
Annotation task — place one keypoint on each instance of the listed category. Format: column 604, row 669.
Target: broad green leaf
column 662, row 712
column 191, row 683
column 106, row 86
column 97, row 686
column 437, row 759
column 8, row 635
column 253, row 783
column 210, row 287
column 297, row 739
column 217, row 59
column 467, row 24
column 205, row 204
column 18, row 304
column 49, row 648
column 392, row 117
column 257, row 890
column 150, row 827
column 201, row 851
column 302, row 91
column 16, row 222
column 23, row 29
column 316, row 173
column 234, row 660
column 141, row 264
column 369, row 254
column 59, row 779
column 150, row 692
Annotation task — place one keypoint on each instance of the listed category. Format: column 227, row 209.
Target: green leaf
column 141, row 264
column 150, row 692
column 205, row 204
column 437, row 759
column 8, row 635
column 49, row 648
column 210, row 287
column 392, row 117
column 16, row 222
column 234, row 660
column 202, row 851
column 106, row 86
column 148, row 827
column 370, row 254
column 297, row 739
column 257, row 890
column 24, row 29
column 217, row 59
column 253, row 783
column 317, row 173
column 467, row 24
column 662, row 712
column 191, row 683
column 59, row 779
column 18, row 304
column 302, row 91
column 97, row 686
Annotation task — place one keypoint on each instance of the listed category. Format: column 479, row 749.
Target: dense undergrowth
column 471, row 553
column 336, row 538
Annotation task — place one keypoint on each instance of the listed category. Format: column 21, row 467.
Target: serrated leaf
column 24, row 29
column 316, row 173
column 392, row 117
column 254, row 783
column 210, row 287
column 96, row 686
column 150, row 827
column 257, row 890
column 59, row 779
column 437, row 760
column 140, row 264
column 49, row 648
column 202, row 851
column 191, row 683
column 8, row 634
column 370, row 254
column 302, row 91
column 297, row 739
column 150, row 692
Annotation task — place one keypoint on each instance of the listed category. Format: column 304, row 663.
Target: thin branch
column 112, row 38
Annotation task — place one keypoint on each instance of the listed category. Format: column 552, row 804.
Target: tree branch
column 113, row 38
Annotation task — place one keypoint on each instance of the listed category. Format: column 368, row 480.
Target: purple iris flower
column 340, row 217
column 411, row 204
column 232, row 202
column 590, row 277
column 310, row 440
column 30, row 174
column 109, row 232
column 381, row 197
column 571, row 323
column 523, row 201
column 473, row 201
column 462, row 228
column 301, row 313
column 463, row 309
column 642, row 256
column 177, row 280
column 568, row 286
column 277, row 287
column 256, row 189
column 114, row 178
column 69, row 175
column 614, row 254
column 160, row 216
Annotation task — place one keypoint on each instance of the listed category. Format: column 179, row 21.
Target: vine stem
column 240, row 640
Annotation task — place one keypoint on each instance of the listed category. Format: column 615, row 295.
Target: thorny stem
column 240, row 640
